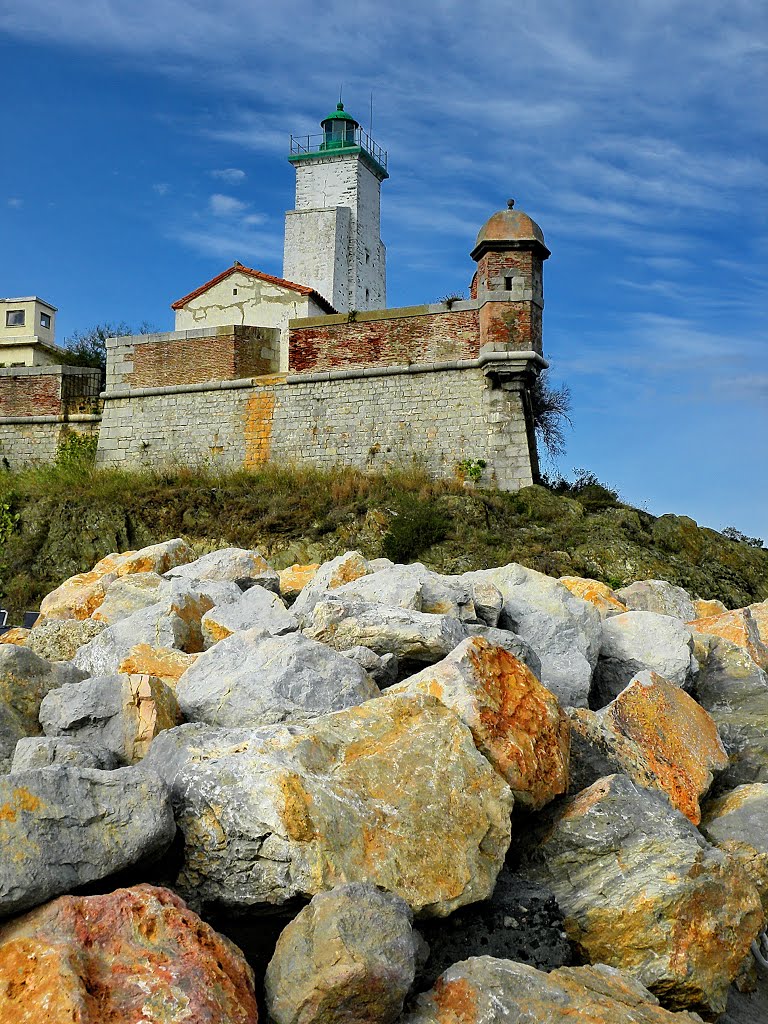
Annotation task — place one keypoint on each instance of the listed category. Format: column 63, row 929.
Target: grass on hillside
column 60, row 519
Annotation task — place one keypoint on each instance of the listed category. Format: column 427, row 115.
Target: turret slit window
column 507, row 284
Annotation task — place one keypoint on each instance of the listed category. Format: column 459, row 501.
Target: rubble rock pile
column 368, row 793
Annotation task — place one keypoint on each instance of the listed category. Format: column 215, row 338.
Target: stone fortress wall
column 369, row 390
column 445, row 384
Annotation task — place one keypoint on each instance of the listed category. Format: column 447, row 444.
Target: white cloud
column 226, row 206
column 15, row 202
column 162, row 188
column 230, row 175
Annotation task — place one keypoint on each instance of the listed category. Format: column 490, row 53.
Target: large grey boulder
column 172, row 621
column 225, row 564
column 43, row 751
column 658, row 596
column 63, row 827
column 120, row 713
column 486, row 990
column 636, row 641
column 349, row 955
column 343, row 622
column 330, row 577
column 251, row 678
column 131, row 594
column 420, row 589
column 25, row 678
column 392, row 792
column 381, row 668
column 256, row 607
column 563, row 630
column 642, row 890
column 734, row 690
column 61, row 639
column 738, row 823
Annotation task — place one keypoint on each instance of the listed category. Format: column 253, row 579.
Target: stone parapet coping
column 512, row 360
column 78, row 417
column 49, row 370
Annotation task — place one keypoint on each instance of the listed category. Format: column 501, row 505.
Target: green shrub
column 76, row 451
column 416, row 525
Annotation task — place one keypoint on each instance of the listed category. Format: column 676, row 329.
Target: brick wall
column 194, row 360
column 37, row 395
column 48, row 390
column 192, row 357
column 386, row 338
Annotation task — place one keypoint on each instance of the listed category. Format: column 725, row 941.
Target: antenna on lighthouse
column 370, row 119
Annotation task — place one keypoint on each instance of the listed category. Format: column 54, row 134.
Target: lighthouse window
column 508, row 284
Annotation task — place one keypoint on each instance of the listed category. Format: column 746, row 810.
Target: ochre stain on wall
column 258, row 428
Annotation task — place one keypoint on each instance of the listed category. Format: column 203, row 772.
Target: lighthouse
column 333, row 236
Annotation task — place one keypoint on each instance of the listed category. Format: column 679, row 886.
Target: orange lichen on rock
column 677, row 740
column 351, row 568
column 80, row 595
column 597, row 593
column 515, row 721
column 18, row 636
column 21, row 800
column 745, row 627
column 455, row 1001
column 295, row 578
column 133, row 955
column 164, row 663
column 706, row 609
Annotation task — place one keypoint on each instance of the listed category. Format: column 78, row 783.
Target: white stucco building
column 243, row 296
column 27, row 327
column 332, row 237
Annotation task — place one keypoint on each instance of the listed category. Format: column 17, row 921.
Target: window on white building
column 15, row 318
column 45, row 321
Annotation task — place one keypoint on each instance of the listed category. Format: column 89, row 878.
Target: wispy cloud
column 230, row 175
column 162, row 188
column 15, row 202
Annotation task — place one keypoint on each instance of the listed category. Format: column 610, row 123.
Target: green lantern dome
column 342, row 136
column 339, row 114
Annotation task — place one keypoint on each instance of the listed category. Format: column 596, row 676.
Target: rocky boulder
column 43, row 751
column 360, row 795
column 328, row 577
column 510, row 642
column 173, row 621
column 597, row 593
column 642, row 890
column 61, row 639
column 342, row 622
column 164, row 663
column 484, row 990
column 25, row 679
column 225, row 564
column 734, row 691
column 120, row 714
column 62, row 827
column 515, row 721
column 349, row 955
column 658, row 596
column 295, row 578
column 252, row 678
column 745, row 627
column 738, row 824
column 80, row 595
column 137, row 954
column 638, row 641
column 256, row 607
column 563, row 630
column 656, row 734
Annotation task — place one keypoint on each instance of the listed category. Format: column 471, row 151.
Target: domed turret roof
column 508, row 225
column 339, row 114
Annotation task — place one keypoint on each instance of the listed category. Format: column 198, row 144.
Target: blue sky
column 145, row 150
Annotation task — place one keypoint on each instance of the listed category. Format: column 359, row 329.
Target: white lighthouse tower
column 332, row 238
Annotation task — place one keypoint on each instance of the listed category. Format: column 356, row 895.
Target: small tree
column 550, row 407
column 89, row 347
